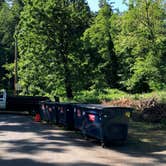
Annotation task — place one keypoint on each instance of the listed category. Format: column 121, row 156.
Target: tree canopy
column 64, row 48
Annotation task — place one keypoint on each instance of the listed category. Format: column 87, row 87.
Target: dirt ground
column 26, row 143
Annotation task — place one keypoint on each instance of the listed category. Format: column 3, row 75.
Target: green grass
column 160, row 95
column 146, row 136
column 97, row 96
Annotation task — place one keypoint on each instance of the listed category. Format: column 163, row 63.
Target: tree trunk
column 67, row 79
column 69, row 91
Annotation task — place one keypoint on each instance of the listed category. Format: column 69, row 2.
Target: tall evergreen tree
column 98, row 37
column 9, row 18
column 49, row 64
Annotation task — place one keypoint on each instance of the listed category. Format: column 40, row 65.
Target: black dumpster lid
column 65, row 103
column 99, row 106
column 51, row 102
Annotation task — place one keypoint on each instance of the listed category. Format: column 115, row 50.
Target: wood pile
column 149, row 110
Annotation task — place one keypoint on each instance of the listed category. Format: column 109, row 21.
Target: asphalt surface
column 27, row 143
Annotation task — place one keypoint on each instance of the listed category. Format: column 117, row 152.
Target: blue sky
column 118, row 4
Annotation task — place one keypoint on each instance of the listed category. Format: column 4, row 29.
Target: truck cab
column 2, row 99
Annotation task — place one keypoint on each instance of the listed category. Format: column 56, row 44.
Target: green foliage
column 9, row 17
column 64, row 49
column 140, row 46
column 50, row 63
column 98, row 43
column 97, row 96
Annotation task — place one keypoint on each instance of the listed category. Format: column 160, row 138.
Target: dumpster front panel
column 66, row 114
column 57, row 112
column 61, row 115
column 117, row 115
column 115, row 132
column 92, row 124
column 54, row 113
column 115, row 124
column 46, row 113
column 69, row 121
column 51, row 111
column 78, row 117
column 41, row 109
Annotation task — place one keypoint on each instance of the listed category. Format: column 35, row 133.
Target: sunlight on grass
column 97, row 96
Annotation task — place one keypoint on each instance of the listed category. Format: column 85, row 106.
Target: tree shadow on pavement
column 52, row 139
column 29, row 162
column 145, row 142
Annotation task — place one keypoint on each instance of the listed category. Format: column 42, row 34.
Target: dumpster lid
column 50, row 102
column 65, row 103
column 100, row 106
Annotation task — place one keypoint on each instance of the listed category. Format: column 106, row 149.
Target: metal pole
column 15, row 67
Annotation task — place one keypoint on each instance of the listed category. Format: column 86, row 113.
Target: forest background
column 66, row 50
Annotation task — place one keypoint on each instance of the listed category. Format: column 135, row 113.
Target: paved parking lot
column 26, row 143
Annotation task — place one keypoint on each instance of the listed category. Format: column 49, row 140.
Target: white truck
column 3, row 96
column 19, row 103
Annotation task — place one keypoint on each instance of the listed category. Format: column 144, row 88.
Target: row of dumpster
column 108, row 124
